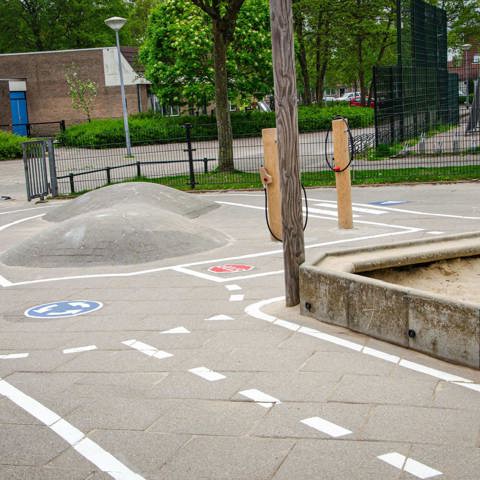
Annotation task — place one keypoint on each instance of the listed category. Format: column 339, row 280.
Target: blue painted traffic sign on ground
column 63, row 309
column 387, row 203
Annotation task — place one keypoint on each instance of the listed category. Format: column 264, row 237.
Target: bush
column 148, row 128
column 10, row 146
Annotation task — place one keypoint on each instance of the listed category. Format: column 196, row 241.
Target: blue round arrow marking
column 63, row 309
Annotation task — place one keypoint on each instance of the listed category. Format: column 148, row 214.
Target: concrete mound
column 123, row 194
column 120, row 235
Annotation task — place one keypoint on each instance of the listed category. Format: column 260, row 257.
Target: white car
column 346, row 97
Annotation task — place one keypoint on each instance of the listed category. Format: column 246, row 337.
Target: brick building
column 33, row 87
column 466, row 64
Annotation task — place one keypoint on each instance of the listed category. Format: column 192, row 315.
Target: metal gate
column 37, row 171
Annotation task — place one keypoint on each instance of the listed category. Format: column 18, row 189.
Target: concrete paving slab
column 40, row 473
column 423, row 425
column 335, row 459
column 227, row 458
column 284, row 420
column 210, row 417
column 29, row 445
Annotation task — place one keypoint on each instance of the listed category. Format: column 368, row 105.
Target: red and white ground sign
column 231, row 268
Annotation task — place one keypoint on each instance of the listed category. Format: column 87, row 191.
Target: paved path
column 178, row 375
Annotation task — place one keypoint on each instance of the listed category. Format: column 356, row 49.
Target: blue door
column 18, row 105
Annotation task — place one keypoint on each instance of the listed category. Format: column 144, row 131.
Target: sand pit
column 458, row 278
column 120, row 225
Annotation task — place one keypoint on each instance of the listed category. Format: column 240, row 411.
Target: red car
column 355, row 102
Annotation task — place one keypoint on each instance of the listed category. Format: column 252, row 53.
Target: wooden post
column 342, row 179
column 274, row 196
column 283, row 56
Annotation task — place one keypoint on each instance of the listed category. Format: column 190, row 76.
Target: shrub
column 148, row 128
column 11, row 145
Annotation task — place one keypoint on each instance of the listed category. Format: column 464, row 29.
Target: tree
column 36, row 25
column 82, row 92
column 190, row 60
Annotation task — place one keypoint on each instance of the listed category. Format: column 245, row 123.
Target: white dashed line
column 409, row 465
column 233, row 288
column 77, row 439
column 254, row 310
column 147, row 349
column 435, row 232
column 260, row 398
column 207, row 374
column 219, row 318
column 12, row 356
column 87, row 348
column 326, row 427
column 236, row 298
column 176, row 330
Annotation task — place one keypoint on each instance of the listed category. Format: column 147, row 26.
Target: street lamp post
column 466, row 47
column 116, row 23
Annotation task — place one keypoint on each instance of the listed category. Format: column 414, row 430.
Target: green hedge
column 11, row 146
column 148, row 128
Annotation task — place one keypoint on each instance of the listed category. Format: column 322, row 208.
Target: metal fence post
column 72, row 183
column 190, row 150
column 62, row 126
column 52, row 168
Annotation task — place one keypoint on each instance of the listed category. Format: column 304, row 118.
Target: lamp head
column 115, row 23
column 466, row 46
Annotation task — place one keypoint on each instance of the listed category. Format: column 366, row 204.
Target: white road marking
column 87, row 348
column 402, row 210
column 12, row 356
column 16, row 222
column 147, row 349
column 324, row 212
column 325, row 426
column 207, row 374
column 435, row 232
column 233, row 288
column 26, row 209
column 409, row 465
column 255, row 310
column 4, row 282
column 194, row 273
column 260, row 398
column 219, row 317
column 176, row 330
column 286, row 324
column 371, row 210
column 77, row 439
column 236, row 298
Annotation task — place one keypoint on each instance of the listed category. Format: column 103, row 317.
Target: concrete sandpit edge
column 332, row 291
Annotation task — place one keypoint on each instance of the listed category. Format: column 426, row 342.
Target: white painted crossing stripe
column 12, row 356
column 176, row 330
column 409, row 465
column 207, row 374
column 373, row 211
column 325, row 426
column 147, row 349
column 320, row 211
column 233, row 288
column 219, row 318
column 433, row 372
column 87, row 348
column 236, row 298
column 16, row 222
column 262, row 399
column 255, row 310
column 77, row 439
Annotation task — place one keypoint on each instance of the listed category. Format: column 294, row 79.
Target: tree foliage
column 179, row 58
column 82, row 91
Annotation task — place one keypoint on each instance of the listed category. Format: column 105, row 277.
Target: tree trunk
column 224, row 127
column 302, row 57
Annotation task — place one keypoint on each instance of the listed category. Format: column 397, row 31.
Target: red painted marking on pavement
column 231, row 268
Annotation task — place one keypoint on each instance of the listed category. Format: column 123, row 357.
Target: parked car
column 329, row 98
column 355, row 102
column 346, row 97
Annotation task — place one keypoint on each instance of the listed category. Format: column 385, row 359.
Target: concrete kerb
column 331, row 291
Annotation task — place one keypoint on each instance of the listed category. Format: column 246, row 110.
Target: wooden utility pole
column 342, row 179
column 283, row 55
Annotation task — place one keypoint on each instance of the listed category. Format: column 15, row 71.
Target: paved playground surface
column 191, row 368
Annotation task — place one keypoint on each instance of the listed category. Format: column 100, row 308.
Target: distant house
column 465, row 64
column 33, row 87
